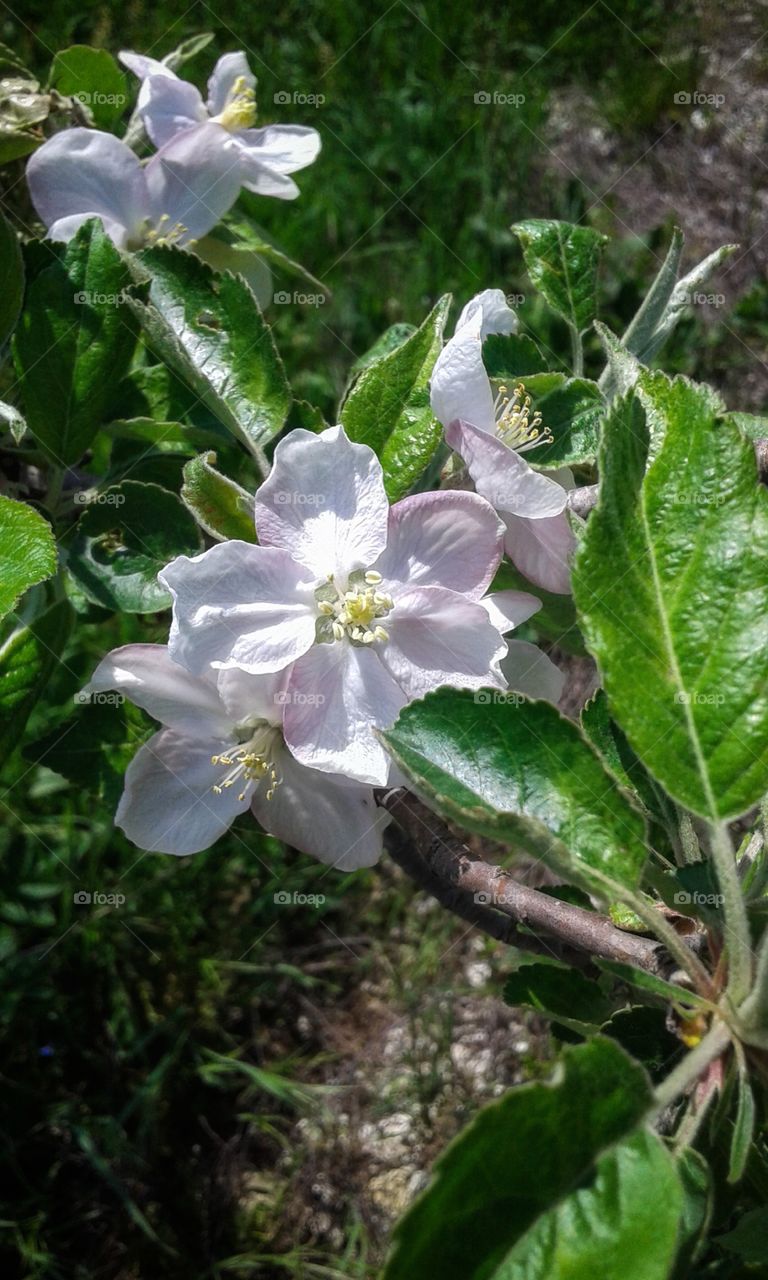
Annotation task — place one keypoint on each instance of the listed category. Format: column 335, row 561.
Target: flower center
column 240, row 108
column 164, row 233
column 251, row 761
column 516, row 426
column 349, row 613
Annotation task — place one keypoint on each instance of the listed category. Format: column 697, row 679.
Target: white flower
column 262, row 158
column 368, row 606
column 221, row 752
column 491, row 431
column 177, row 197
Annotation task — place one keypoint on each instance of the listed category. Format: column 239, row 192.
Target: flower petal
column 149, row 678
column 142, row 66
column 168, row 805
column 337, row 693
column 327, row 817
column 167, row 105
column 324, row 501
column 246, row 696
column 527, row 670
column 439, row 637
column 284, row 148
column 541, row 549
column 502, row 477
column 194, row 179
column 460, row 386
column 239, row 605
column 65, row 228
column 450, row 539
column 509, row 609
column 82, row 171
column 228, row 69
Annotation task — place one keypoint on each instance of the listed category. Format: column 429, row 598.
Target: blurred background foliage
column 199, row 1081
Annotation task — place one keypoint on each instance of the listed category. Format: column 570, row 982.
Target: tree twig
column 489, row 897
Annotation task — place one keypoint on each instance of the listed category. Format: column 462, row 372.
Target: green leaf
column 668, row 298
column 642, row 1031
column 519, row 772
column 388, row 406
column 563, row 261
column 651, row 983
column 74, row 341
column 13, row 420
column 672, row 592
column 219, row 505
column 562, row 994
column 749, row 1238
column 92, row 77
column 123, row 539
column 515, row 1161
column 211, row 332
column 22, row 106
column 696, row 1182
column 753, row 426
column 510, row 356
column 15, row 143
column 93, row 750
column 625, row 1223
column 27, row 551
column 11, row 279
column 27, row 659
column 622, row 370
column 743, row 1130
column 572, row 409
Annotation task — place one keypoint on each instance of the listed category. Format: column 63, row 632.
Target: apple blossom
column 372, row 606
column 491, row 432
column 178, row 196
column 262, row 157
column 221, row 752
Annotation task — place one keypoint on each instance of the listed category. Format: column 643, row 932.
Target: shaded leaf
column 563, row 260
column 27, row 551
column 220, row 506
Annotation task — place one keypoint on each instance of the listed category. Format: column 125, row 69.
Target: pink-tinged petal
column 194, row 180
column 283, row 148
column 439, row 637
column 84, row 172
column 327, row 817
column 239, row 605
column 147, row 676
column 527, row 670
column 509, row 609
column 229, row 68
column 249, row 697
column 502, row 476
column 541, row 549
column 336, row 695
column 459, row 386
column 324, row 501
column 168, row 805
column 168, row 105
column 450, row 539
column 142, row 66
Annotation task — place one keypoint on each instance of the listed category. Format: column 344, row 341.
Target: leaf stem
column 738, row 939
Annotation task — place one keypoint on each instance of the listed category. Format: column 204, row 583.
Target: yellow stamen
column 516, row 426
column 240, row 108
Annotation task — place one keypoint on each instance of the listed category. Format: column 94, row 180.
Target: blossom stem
column 738, row 940
column 693, row 1065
